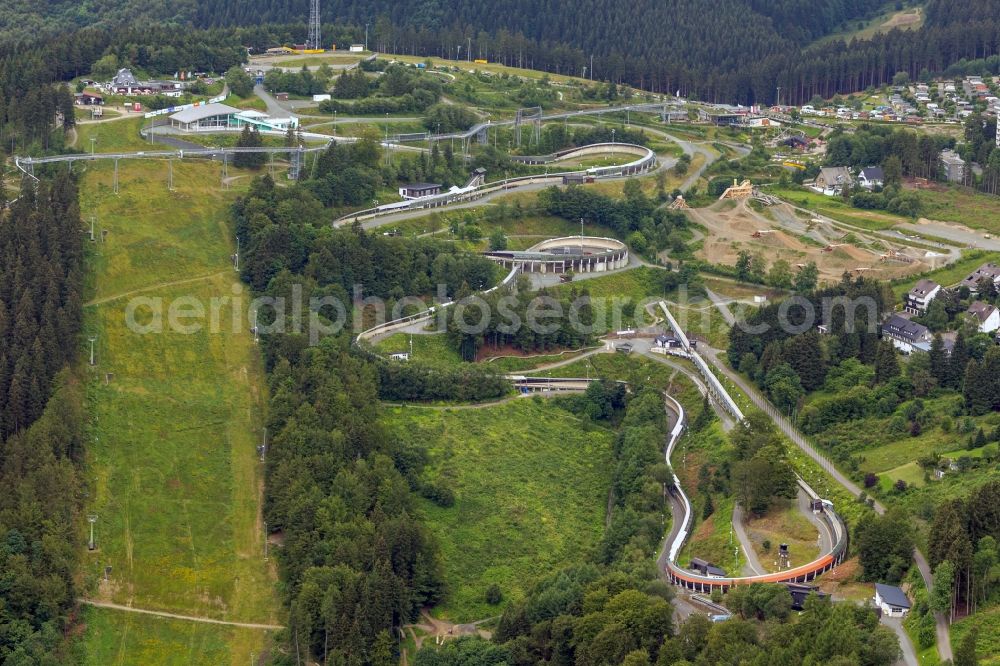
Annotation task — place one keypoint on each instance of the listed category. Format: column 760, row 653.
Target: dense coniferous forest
column 41, row 275
column 730, row 51
column 41, row 421
column 356, row 563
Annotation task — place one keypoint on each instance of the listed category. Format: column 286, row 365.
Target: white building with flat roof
column 205, row 117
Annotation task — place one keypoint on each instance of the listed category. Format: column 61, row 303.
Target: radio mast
column 314, row 41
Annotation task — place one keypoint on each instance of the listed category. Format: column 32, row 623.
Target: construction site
column 779, row 231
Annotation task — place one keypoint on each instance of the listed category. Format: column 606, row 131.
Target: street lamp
column 92, row 518
column 93, row 141
column 236, row 257
column 92, row 339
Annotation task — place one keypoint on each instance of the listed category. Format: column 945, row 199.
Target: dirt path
column 173, row 283
column 753, row 567
column 176, row 616
column 478, row 405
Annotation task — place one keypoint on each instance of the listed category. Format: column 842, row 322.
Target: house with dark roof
column 87, row 98
column 988, row 271
column 666, row 342
column 891, row 600
column 919, row 298
column 871, row 177
column 417, row 190
column 905, row 335
column 985, row 316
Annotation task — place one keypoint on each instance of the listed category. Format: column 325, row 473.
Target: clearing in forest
column 176, row 483
column 531, row 487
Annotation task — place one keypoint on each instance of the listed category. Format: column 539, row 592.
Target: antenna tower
column 314, row 41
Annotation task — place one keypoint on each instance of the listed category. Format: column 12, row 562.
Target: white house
column 871, row 177
column 892, row 600
column 920, row 297
column 986, row 316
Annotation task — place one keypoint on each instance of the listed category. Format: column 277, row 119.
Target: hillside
column 727, row 51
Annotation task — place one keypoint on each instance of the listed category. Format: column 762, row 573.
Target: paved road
column 909, row 655
column 274, row 109
column 952, row 232
column 175, row 616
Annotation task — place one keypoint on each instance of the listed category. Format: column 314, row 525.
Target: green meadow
column 531, row 483
column 132, row 638
column 176, row 418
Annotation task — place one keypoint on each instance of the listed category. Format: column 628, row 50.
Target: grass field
column 962, row 205
column 492, row 67
column 112, row 136
column 251, row 102
column 176, row 482
column 429, row 349
column 531, row 484
column 783, row 523
column 712, row 540
column 835, row 208
column 611, row 293
column 891, row 18
column 320, row 59
column 131, row 638
column 988, row 641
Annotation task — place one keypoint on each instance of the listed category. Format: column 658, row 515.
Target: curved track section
column 645, row 161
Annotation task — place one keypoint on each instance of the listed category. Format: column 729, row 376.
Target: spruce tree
column 957, row 362
column 940, row 367
column 886, row 363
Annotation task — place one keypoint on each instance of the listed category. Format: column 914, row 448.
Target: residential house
column 892, row 600
column 986, row 317
column 831, row 180
column 988, row 271
column 954, row 166
column 919, row 298
column 905, row 335
column 871, row 177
